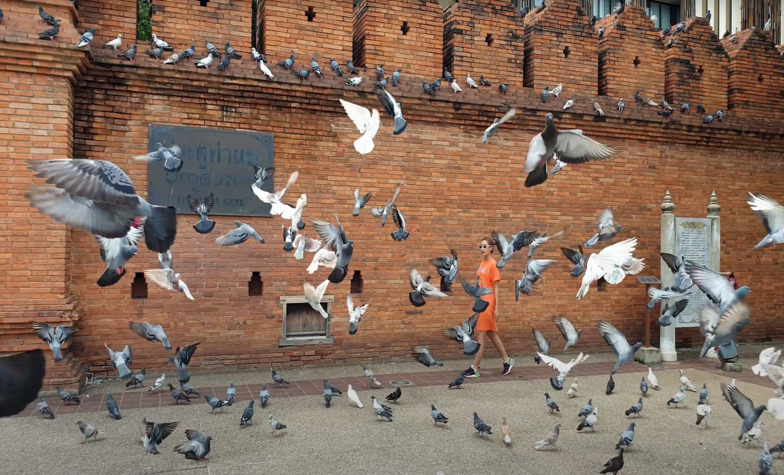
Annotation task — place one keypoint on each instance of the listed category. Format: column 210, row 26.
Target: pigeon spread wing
column 359, row 115
column 574, row 147
column 540, row 341
column 768, row 211
column 614, row 338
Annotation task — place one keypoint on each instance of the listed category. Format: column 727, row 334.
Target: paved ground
column 346, row 439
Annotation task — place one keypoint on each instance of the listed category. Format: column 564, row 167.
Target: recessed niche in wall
column 203, row 3
column 489, row 39
column 356, row 282
column 636, row 61
column 405, row 27
column 699, row 72
column 310, row 14
column 139, row 286
column 760, row 78
column 255, row 285
column 566, row 52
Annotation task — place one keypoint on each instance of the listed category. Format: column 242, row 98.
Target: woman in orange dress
column 486, row 324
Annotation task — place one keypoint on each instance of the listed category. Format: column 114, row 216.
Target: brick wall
column 561, row 47
column 484, row 38
column 696, row 67
column 111, row 19
column 631, row 57
column 756, row 75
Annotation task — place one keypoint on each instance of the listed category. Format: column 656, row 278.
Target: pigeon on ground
column 679, row 397
column 178, row 395
column 111, row 406
column 533, row 272
column 636, row 409
column 586, row 409
column 65, row 396
column 606, row 229
column 204, row 225
column 658, row 295
column 626, row 438
column 772, row 216
column 619, row 344
column 447, row 267
column 719, row 329
column 490, row 131
column 335, row 66
column 238, row 235
column 422, row 288
column 653, row 379
column 573, row 388
column 566, row 328
column 168, row 155
column 121, row 360
column 686, row 383
column 360, row 201
column 355, row 314
column 155, row 433
column 327, row 396
column 314, row 295
column 367, row 123
column 97, row 196
column 703, row 409
column 643, row 387
column 681, row 280
column 480, row 426
column 393, row 108
column 394, row 395
column 264, row 395
column 43, row 407
column 615, row 464
column 150, row 332
column 86, row 38
column 457, row 382
column 551, row 403
column 216, row 403
column 577, row 258
column 353, row 81
column 550, row 440
column 610, row 386
column 353, row 397
column 88, row 431
column 158, row 383
column 672, row 311
column 571, row 146
column 276, row 377
column 114, row 43
column 21, row 378
column 55, row 337
column 611, row 263
column 382, row 411
column 369, row 374
column 335, row 239
column 169, row 280
column 197, row 447
column 542, row 344
column 231, row 394
column 765, row 458
column 438, row 416
column 589, row 421
column 562, row 368
column 768, row 356
column 423, row 356
column 506, row 433
column 743, row 406
column 276, row 426
column 477, row 293
column 187, row 389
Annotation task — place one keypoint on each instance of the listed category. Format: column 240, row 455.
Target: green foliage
column 144, row 20
column 253, row 20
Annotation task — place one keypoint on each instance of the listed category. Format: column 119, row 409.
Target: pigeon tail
column 400, row 125
column 765, row 241
column 338, row 274
column 204, row 226
column 110, row 277
column 352, row 328
column 537, row 176
column 364, row 145
column 470, row 348
column 400, row 235
column 480, row 305
column 592, row 242
column 416, row 299
column 56, row 353
column 160, row 228
column 124, row 371
column 517, row 290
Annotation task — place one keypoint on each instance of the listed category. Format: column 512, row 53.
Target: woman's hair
column 490, row 242
column 732, row 275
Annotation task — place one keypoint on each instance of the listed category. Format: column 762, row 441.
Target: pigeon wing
column 614, row 338
column 44, row 331
column 733, row 320
column 672, row 262
column 574, row 147
column 97, row 180
column 540, row 341
column 162, row 277
column 768, row 211
column 718, row 289
column 565, row 326
column 359, row 115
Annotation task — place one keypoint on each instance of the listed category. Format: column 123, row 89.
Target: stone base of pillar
column 732, row 367
column 669, row 356
column 648, row 356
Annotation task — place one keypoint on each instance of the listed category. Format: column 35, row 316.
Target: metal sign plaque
column 214, row 161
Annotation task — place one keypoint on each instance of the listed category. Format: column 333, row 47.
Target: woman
column 733, row 281
column 486, row 324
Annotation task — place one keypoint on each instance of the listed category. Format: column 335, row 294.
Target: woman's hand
column 495, row 314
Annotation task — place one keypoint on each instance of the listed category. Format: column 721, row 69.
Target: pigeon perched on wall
column 568, row 104
column 86, row 38
column 205, row 63
column 396, row 77
column 55, row 337
column 302, row 74
column 623, row 351
column 51, row 33
column 114, row 43
column 287, row 63
column 351, row 68
column 173, row 59
column 335, row 67
column 197, row 447
column 121, row 360
column 21, row 378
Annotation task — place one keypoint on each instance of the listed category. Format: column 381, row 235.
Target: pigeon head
column 742, row 292
column 549, row 117
column 352, row 328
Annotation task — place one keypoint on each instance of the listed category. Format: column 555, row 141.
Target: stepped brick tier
column 92, row 103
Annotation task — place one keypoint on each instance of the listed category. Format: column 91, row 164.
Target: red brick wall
column 467, row 25
column 756, row 75
column 696, row 67
column 111, row 19
column 378, row 38
column 631, row 57
column 22, row 23
column 563, row 24
column 182, row 23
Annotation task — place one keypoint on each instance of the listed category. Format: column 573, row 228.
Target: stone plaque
column 692, row 242
column 214, row 161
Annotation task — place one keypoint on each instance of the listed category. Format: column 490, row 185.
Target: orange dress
column 488, row 275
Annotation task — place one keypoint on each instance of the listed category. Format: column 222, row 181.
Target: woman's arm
column 495, row 293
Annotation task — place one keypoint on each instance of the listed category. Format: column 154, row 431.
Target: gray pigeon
column 230, row 52
column 168, row 155
column 86, row 38
column 327, row 396
column 44, row 409
column 393, row 108
column 335, row 67
column 196, row 447
column 587, row 409
column 481, row 427
column 626, row 438
column 400, row 221
column 542, row 344
column 264, row 395
column 396, row 77
column 238, row 235
column 47, row 18
column 178, row 395
column 212, row 49
column 422, row 288
column 533, row 272
column 772, row 216
column 577, row 258
column 381, row 410
column 204, row 225
column 52, row 32
column 708, row 119
column 182, row 357
column 606, row 229
column 503, row 88
column 566, row 328
column 216, row 403
column 490, row 131
column 329, row 385
column 679, row 397
column 718, row 289
column 97, row 196
column 276, row 377
column 150, row 332
column 88, row 431
column 719, row 329
column 470, row 347
column 539, row 240
column 477, row 293
column 231, row 394
column 335, row 239
column 129, row 53
column 111, row 406
column 644, row 386
column 302, row 74
column 636, row 409
column 263, row 175
column 617, row 341
column 657, row 295
column 54, row 337
column 447, row 267
column 384, row 212
column 457, row 382
column 681, row 280
column 545, row 94
column 247, row 414
column 423, row 356
column 704, row 394
column 438, row 416
column 351, row 68
column 121, row 360
column 672, row 311
column 155, row 433
column 360, row 201
column 765, row 458
column 187, row 389
column 551, row 403
column 66, row 396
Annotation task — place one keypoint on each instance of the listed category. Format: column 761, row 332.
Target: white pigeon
column 471, row 83
column 121, row 360
column 562, row 368
column 353, row 397
column 702, row 412
column 772, row 216
column 314, row 295
column 568, row 104
column 158, row 42
column 686, row 383
column 115, row 42
column 158, row 383
column 205, row 62
column 456, row 87
column 598, row 108
column 767, row 356
column 354, row 314
column 652, row 379
column 590, row 420
column 323, row 257
column 277, row 207
column 556, row 90
column 768, row 24
column 776, row 374
column 607, row 263
column 169, row 280
column 172, row 59
column 265, row 69
column 572, row 392
column 776, row 407
column 304, row 244
column 366, row 121
column 753, row 434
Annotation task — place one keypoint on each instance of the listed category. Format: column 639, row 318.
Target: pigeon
column 436, row 85
column 438, row 416
column 187, row 389
column 335, row 239
column 216, row 403
column 51, row 33
column 155, row 433
column 533, row 272
column 86, row 38
column 157, row 53
column 173, row 59
column 590, row 420
column 539, row 240
column 768, row 356
column 665, row 105
column 700, row 109
column 493, row 128
column 606, row 228
column 43, row 407
column 621, row 105
column 720, row 328
column 205, row 225
column 480, row 426
column 598, row 108
column 287, row 63
column 484, row 82
column 568, row 104
column 653, row 379
column 169, row 280
column 550, row 440
column 428, row 89
column 681, row 280
column 160, row 43
column 197, row 447
column 545, row 94
column 665, row 113
column 150, row 332
column 571, row 146
column 608, row 264
column 158, row 383
column 168, row 155
column 384, row 212
column 651, row 102
column 314, row 295
column 447, row 267
column 55, row 337
column 394, row 395
column 703, row 410
column 503, row 88
column 679, row 397
column 369, row 374
column 238, row 235
column 636, row 409
column 562, row 368
column 231, row 394
column 265, row 69
column 263, row 175
column 264, row 395
column 97, row 196
column 772, row 216
column 353, row 397
column 765, row 458
column 708, row 119
column 457, row 382
column 720, row 115
column 114, row 43
column 423, row 356
column 586, row 409
column 573, row 388
column 577, row 258
column 551, row 403
column 302, row 74
column 610, row 386
column 471, row 83
column 205, row 63
column 276, row 426
column 685, row 107
column 638, row 97
column 382, row 411
column 276, row 377
column 601, row 31
column 718, row 289
column 355, row 314
column 382, row 84
column 350, row 67
column 121, row 360
column 65, row 396
column 477, row 293
column 686, row 383
column 506, row 248
column 111, row 406
column 179, row 395
column 462, row 334
column 323, row 257
column 566, row 328
column 626, row 438
column 88, row 431
column 422, row 288
column 542, row 344
column 182, row 358
column 657, row 295
column 366, row 121
column 189, row 52
column 335, row 67
column 455, row 86
column 617, row 341
column 644, row 386
column 393, row 108
column 277, row 207
column 327, row 396
column 672, row 311
column 396, row 77
column 615, row 464
column 753, row 434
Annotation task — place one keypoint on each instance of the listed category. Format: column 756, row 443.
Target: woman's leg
column 497, row 343
column 480, row 338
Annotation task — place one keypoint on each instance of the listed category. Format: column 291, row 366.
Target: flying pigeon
column 506, row 248
column 384, row 212
column 567, row 330
column 264, row 395
column 768, row 356
column 461, row 335
column 43, row 407
column 197, row 447
column 138, row 379
column 181, row 360
column 21, row 378
column 542, row 344
column 590, row 420
column 679, row 397
column 423, row 356
column 335, row 239
column 366, row 121
column 381, row 410
column 150, row 332
column 626, row 438
column 114, row 43
column 657, row 295
column 533, row 272
column 617, row 341
column 718, row 289
column 277, row 207
column 477, row 293
column 111, row 406
column 86, row 38
column 743, row 406
column 121, row 360
column 314, row 295
column 97, row 196
column 393, row 108
column 64, row 395
column 681, row 280
column 395, row 395
column 238, row 235
column 610, row 263
column 169, row 280
column 276, row 426
column 168, row 155
column 54, row 336
column 263, row 175
column 447, row 267
column 772, row 216
column 753, row 434
column 422, row 288
column 155, row 433
column 205, row 225
column 539, row 240
column 577, row 258
column 606, row 229
column 550, row 440
column 353, row 397
column 355, row 314
column 88, row 431
column 720, row 328
column 322, row 257
column 490, row 131
column 562, row 368
column 571, row 146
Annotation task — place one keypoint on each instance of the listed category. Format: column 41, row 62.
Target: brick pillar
column 38, row 123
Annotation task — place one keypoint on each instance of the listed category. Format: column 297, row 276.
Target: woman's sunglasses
column 483, row 246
